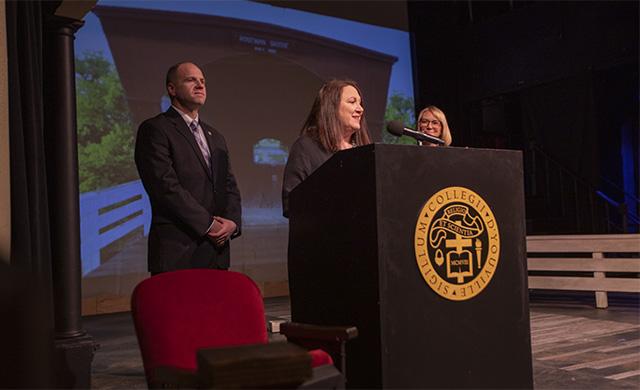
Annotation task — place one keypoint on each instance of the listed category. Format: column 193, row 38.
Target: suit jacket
column 184, row 193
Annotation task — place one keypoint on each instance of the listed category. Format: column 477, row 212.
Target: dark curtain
column 26, row 300
column 560, row 118
column 30, row 243
column 26, row 335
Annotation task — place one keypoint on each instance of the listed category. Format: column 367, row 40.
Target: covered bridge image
column 261, row 81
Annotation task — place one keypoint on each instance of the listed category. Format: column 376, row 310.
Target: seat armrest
column 276, row 365
column 331, row 339
column 318, row 332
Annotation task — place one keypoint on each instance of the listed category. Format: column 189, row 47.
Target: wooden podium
column 423, row 249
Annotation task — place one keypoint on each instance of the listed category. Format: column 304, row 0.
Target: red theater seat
column 177, row 313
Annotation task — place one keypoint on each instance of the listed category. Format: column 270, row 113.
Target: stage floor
column 575, row 346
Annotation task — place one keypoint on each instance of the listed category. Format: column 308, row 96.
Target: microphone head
column 396, row 128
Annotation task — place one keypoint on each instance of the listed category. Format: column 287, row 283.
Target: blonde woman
column 433, row 122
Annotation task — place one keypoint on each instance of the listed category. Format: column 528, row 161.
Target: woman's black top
column 305, row 156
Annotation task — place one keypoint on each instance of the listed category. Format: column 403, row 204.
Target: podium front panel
column 429, row 339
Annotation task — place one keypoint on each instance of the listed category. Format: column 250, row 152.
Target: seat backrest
column 176, row 313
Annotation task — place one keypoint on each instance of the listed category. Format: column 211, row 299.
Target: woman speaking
column 336, row 122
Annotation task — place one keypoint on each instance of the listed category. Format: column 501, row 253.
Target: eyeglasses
column 427, row 121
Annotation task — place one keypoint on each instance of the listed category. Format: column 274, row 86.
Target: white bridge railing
column 108, row 215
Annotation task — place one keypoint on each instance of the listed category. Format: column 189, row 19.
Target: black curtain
column 27, row 293
column 560, row 117
column 30, row 243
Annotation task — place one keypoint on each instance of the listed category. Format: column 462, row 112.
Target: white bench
column 597, row 255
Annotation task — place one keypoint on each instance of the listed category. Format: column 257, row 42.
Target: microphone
column 397, row 128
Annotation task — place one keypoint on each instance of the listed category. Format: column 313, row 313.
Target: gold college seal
column 457, row 243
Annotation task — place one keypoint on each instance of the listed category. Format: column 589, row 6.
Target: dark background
column 557, row 80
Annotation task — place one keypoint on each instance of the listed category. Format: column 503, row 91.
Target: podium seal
column 457, row 243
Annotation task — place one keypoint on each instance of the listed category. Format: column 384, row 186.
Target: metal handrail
column 620, row 207
column 624, row 193
column 615, row 204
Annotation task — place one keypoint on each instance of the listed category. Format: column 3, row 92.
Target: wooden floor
column 575, row 346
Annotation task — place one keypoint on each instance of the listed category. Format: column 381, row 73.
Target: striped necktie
column 202, row 142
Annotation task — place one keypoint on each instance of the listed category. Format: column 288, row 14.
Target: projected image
column 264, row 65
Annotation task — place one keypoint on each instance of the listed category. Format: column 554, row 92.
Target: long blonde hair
column 439, row 114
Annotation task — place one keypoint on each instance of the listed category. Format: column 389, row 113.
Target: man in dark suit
column 184, row 166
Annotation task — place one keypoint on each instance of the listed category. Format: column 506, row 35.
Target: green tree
column 105, row 128
column 399, row 107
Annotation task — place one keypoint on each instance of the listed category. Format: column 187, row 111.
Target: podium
column 423, row 249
